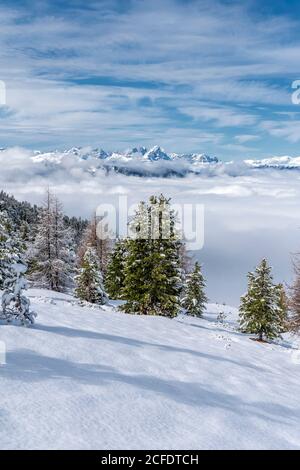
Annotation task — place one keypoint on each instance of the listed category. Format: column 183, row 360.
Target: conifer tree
column 115, row 274
column 5, row 249
column 294, row 304
column 260, row 309
column 166, row 286
column 195, row 298
column 25, row 231
column 89, row 282
column 152, row 270
column 63, row 250
column 94, row 236
column 137, row 268
column 15, row 305
column 53, row 253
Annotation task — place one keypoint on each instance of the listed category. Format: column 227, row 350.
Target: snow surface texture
column 91, row 378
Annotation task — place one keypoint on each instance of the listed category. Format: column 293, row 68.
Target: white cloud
column 224, row 117
column 244, row 138
column 200, row 55
column 290, row 129
column 247, row 215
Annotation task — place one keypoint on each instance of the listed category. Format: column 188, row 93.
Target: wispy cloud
column 244, row 138
column 110, row 73
column 288, row 129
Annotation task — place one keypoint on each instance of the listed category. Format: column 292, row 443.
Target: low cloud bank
column 249, row 212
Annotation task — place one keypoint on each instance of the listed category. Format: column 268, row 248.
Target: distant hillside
column 24, row 212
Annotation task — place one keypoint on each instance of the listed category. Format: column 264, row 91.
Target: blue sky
column 207, row 76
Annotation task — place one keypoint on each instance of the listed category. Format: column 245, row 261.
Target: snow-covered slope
column 89, row 378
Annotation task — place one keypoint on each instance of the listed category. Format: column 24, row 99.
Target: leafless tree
column 294, row 302
column 93, row 237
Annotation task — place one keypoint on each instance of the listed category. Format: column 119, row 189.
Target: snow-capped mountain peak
column 197, row 158
column 134, row 161
column 136, row 151
column 284, row 162
column 156, row 153
column 138, row 161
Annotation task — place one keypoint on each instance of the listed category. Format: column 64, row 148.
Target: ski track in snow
column 94, row 378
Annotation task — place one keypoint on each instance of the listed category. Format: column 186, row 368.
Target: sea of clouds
column 249, row 213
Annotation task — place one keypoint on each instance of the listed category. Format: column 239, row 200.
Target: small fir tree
column 195, row 298
column 5, row 247
column 153, row 277
column 89, row 282
column 260, row 310
column 294, row 303
column 15, row 305
column 138, row 267
column 115, row 274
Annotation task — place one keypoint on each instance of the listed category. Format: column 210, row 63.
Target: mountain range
column 140, row 161
column 141, row 154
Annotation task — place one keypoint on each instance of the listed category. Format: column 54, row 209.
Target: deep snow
column 90, row 378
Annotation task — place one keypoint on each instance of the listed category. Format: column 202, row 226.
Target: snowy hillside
column 94, row 378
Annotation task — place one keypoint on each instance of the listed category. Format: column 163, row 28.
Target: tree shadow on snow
column 27, row 366
column 74, row 333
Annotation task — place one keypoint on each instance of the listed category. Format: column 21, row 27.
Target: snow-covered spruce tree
column 138, row 267
column 166, row 286
column 195, row 300
column 53, row 259
column 152, row 270
column 5, row 248
column 115, row 275
column 89, row 282
column 261, row 310
column 15, row 305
